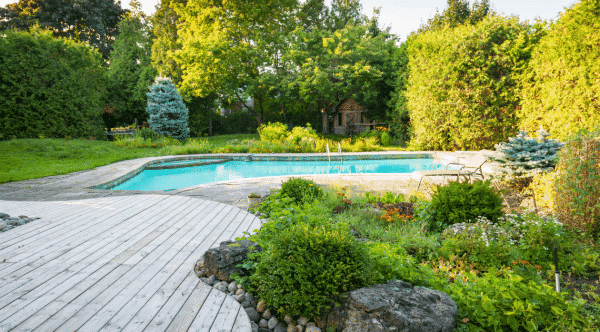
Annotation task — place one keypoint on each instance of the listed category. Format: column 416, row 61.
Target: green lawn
column 24, row 159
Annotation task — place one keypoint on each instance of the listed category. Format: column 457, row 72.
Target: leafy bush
column 578, row 182
column 306, row 265
column 273, row 132
column 505, row 301
column 386, row 198
column 300, row 133
column 385, row 139
column 544, row 190
column 168, row 115
column 390, row 262
column 147, row 133
column 301, row 190
column 463, row 202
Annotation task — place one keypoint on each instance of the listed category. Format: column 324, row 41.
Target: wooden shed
column 350, row 119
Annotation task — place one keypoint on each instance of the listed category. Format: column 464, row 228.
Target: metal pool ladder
column 327, row 147
column 340, row 151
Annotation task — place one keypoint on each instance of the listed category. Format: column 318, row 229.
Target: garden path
column 121, row 263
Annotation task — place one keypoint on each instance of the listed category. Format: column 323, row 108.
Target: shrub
column 463, row 202
column 390, row 262
column 578, row 182
column 386, row 198
column 168, row 113
column 385, row 139
column 524, row 156
column 301, row 190
column 273, row 132
column 543, row 188
column 147, row 133
column 306, row 265
column 505, row 301
column 300, row 133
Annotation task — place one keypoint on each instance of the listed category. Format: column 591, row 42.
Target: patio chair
column 467, row 172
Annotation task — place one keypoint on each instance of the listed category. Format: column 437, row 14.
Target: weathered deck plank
column 117, row 264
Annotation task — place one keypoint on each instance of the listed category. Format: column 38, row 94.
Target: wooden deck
column 117, row 264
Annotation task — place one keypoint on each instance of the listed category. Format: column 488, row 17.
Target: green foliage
column 577, row 197
column 301, row 190
column 390, row 262
column 273, row 132
column 168, row 114
column 525, row 156
column 505, row 301
column 50, row 87
column 385, row 139
column 302, row 134
column 458, row 13
column 561, row 84
column 463, row 202
column 306, row 265
column 88, row 21
column 386, row 198
column 462, row 90
column 147, row 133
column 130, row 71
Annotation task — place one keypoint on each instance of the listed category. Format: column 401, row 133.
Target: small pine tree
column 168, row 114
column 523, row 156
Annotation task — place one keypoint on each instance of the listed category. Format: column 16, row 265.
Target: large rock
column 222, row 261
column 395, row 306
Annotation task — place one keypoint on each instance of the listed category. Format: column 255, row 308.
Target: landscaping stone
column 280, row 327
column 267, row 314
column 292, row 328
column 254, row 326
column 396, row 305
column 252, row 314
column 272, row 322
column 7, row 222
column 222, row 261
column 263, row 323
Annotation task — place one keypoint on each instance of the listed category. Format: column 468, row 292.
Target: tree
column 92, row 21
column 562, row 83
column 164, row 27
column 130, row 70
column 463, row 88
column 167, row 112
column 225, row 45
column 334, row 66
column 342, row 13
column 458, row 13
column 49, row 86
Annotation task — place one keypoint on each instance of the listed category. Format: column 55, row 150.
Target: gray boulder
column 395, row 306
column 252, row 314
column 222, row 261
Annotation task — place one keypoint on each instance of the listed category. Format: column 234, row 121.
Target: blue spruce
column 523, row 156
column 168, row 114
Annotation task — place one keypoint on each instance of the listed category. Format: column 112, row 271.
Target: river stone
column 292, row 328
column 3, row 224
column 246, row 304
column 288, row 319
column 254, row 326
column 211, row 280
column 261, row 306
column 272, row 322
column 232, row 287
column 240, row 298
column 300, row 328
column 280, row 327
column 302, row 321
column 252, row 314
column 263, row 323
column 4, row 215
column 240, row 292
column 249, row 297
column 314, row 329
column 267, row 314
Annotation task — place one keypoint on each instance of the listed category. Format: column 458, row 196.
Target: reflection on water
column 171, row 179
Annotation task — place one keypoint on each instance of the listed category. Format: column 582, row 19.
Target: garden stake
column 556, row 272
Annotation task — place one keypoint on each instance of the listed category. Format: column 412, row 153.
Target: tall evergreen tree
column 458, row 13
column 168, row 115
column 130, row 70
column 92, row 21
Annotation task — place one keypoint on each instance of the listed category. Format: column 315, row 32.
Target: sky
column 404, row 16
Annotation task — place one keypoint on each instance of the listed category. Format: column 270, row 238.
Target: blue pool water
column 171, row 179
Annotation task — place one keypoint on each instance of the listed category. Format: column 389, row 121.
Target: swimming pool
column 175, row 178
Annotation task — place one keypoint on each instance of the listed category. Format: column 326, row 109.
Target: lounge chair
column 467, row 172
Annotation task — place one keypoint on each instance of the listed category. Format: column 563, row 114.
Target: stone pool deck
column 104, row 260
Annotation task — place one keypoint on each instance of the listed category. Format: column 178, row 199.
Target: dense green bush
column 50, row 87
column 463, row 202
column 462, row 92
column 147, row 133
column 562, row 82
column 304, row 134
column 301, row 190
column 306, row 265
column 273, row 132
